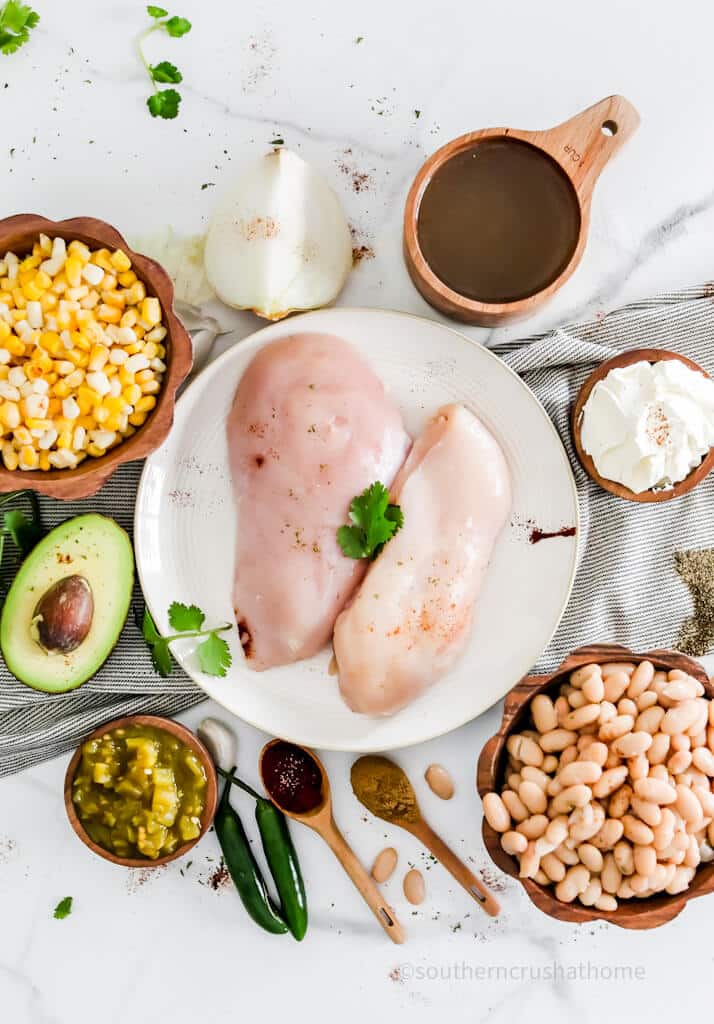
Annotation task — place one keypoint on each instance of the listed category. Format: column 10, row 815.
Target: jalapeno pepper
column 243, row 868
column 283, row 863
column 281, row 857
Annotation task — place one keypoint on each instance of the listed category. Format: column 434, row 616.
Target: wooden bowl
column 18, row 234
column 580, row 147
column 185, row 736
column 637, row 355
column 635, row 913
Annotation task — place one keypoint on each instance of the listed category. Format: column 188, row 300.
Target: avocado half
column 91, row 546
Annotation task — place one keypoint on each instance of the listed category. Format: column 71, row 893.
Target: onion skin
column 279, row 241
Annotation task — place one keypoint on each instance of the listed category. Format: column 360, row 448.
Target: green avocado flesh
column 91, row 546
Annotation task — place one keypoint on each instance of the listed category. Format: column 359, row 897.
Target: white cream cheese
column 648, row 425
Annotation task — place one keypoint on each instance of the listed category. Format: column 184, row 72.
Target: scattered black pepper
column 696, row 568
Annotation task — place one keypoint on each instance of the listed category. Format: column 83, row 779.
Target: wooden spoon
column 321, row 820
column 415, row 824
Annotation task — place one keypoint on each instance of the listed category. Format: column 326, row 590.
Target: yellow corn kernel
column 126, row 377
column 150, row 387
column 30, row 263
column 73, row 270
column 62, row 423
column 64, row 439
column 4, row 371
column 110, row 369
column 150, row 349
column 15, row 347
column 114, row 298
column 29, row 457
column 31, row 291
column 145, row 404
column 114, row 403
column 43, row 360
column 61, row 389
column 88, row 422
column 137, row 419
column 45, row 461
column 109, row 314
column 142, row 376
column 5, row 330
column 101, row 414
column 98, row 357
column 136, row 293
column 95, row 450
column 33, row 371
column 54, row 407
column 10, row 415
column 120, row 261
column 129, row 318
column 10, row 457
column 43, row 280
column 22, row 435
column 131, row 394
column 36, row 424
column 89, row 301
column 19, row 300
column 49, row 340
column 113, row 422
column 48, row 301
column 127, row 278
column 77, row 248
column 151, row 311
column 87, row 398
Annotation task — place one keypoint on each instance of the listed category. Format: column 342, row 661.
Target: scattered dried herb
column 696, row 568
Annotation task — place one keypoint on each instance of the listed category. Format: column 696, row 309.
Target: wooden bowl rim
column 623, row 359
column 92, row 474
column 634, row 914
column 181, row 732
column 421, row 269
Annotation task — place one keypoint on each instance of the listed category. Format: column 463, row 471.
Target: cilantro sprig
column 63, row 908
column 16, row 22
column 214, row 655
column 163, row 102
column 374, row 522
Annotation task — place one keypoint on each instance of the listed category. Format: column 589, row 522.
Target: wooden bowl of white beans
column 598, row 789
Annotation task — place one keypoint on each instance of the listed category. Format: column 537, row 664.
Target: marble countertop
column 171, row 944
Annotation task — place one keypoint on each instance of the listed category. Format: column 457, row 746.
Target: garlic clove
column 278, row 241
column 220, row 741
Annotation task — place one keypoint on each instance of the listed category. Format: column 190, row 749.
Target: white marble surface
column 77, row 139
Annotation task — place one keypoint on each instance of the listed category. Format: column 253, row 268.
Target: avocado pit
column 63, row 615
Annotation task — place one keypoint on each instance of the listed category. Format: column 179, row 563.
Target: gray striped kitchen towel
column 626, row 590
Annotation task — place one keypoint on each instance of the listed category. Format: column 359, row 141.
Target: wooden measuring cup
column 321, row 820
column 580, row 148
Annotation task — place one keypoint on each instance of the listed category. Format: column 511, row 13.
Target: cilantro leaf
column 164, row 104
column 214, row 655
column 16, row 22
column 161, row 657
column 148, row 628
column 24, row 532
column 156, row 12
column 177, row 27
column 375, row 522
column 165, row 71
column 352, row 541
column 63, row 908
column 184, row 617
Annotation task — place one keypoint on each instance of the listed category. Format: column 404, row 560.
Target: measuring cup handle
column 363, row 883
column 583, row 144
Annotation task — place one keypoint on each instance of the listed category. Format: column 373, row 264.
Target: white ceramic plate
column 186, row 524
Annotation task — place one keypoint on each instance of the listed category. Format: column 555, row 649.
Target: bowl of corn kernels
column 91, row 354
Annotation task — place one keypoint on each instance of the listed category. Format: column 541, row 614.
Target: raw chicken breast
column 310, row 428
column 411, row 618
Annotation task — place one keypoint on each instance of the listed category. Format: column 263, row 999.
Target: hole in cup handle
column 609, row 128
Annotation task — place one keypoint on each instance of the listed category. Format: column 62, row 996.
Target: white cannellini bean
column 687, row 804
column 610, row 875
column 633, row 744
column 596, row 752
column 532, row 796
column 514, row 805
column 640, row 679
column 557, row 831
column 543, row 712
column 570, row 798
column 514, row 842
column 645, row 860
column 650, row 813
column 606, row 902
column 610, row 834
column 615, row 685
column 550, row 764
column 680, row 718
column 496, row 813
column 580, row 772
column 594, row 689
column 679, row 762
column 579, row 717
column 636, row 831
column 553, row 867
column 557, row 740
column 589, row 896
column 681, row 689
column 569, row 754
column 659, row 749
column 609, row 781
column 580, row 676
column 528, row 772
column 616, row 727
column 533, row 827
column 586, row 829
column 576, row 699
column 514, row 780
column 628, row 667
column 620, row 801
column 530, row 862
column 649, row 720
column 646, row 700
column 524, row 749
column 624, row 857
column 590, row 857
column 655, row 791
column 566, row 855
